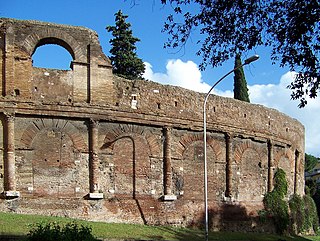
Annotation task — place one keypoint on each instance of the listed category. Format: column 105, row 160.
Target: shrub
column 311, row 214
column 54, row 232
column 280, row 183
column 274, row 204
column 297, row 214
column 303, row 212
column 277, row 208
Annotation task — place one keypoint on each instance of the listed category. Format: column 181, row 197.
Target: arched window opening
column 52, row 56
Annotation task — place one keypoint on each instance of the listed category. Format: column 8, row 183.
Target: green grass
column 19, row 225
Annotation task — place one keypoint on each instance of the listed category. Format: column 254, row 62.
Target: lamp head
column 251, row 59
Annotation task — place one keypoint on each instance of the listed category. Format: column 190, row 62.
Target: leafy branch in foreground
column 223, row 28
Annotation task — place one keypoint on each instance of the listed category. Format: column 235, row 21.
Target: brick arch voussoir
column 126, row 130
column 153, row 143
column 216, row 148
column 64, row 126
column 242, row 148
column 33, row 39
column 188, row 139
column 286, row 154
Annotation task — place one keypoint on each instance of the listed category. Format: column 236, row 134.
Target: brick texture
column 146, row 143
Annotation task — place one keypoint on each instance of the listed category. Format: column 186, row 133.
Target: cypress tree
column 124, row 59
column 240, row 90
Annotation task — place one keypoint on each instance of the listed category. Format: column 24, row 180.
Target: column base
column 229, row 200
column 11, row 194
column 169, row 197
column 96, row 195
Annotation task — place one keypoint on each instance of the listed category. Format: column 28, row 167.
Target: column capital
column 94, row 122
column 9, row 116
column 228, row 135
column 167, row 128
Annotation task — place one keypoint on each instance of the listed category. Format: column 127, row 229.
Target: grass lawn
column 19, row 225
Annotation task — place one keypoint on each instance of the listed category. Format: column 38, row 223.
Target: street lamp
column 247, row 61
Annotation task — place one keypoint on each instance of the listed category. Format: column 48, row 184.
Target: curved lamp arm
column 247, row 61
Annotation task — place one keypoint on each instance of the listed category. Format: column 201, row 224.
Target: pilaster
column 229, row 154
column 94, row 160
column 270, row 165
column 296, row 170
column 168, row 195
column 9, row 158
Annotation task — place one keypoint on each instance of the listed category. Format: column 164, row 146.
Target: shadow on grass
column 7, row 237
column 198, row 235
column 179, row 234
column 191, row 235
column 235, row 223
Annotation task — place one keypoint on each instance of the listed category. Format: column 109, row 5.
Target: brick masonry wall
column 87, row 144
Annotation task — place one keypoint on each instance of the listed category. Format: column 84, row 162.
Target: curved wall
column 84, row 143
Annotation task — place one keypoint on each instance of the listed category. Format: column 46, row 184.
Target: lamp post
column 247, row 61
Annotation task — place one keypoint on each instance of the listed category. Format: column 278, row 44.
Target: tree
column 124, row 58
column 310, row 162
column 290, row 27
column 312, row 187
column 240, row 90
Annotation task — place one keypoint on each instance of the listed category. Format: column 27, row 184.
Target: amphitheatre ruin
column 84, row 143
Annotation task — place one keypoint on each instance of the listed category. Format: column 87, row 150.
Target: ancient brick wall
column 84, row 143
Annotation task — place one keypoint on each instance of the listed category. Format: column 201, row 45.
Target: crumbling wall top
column 30, row 34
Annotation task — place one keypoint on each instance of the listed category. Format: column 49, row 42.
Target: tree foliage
column 316, row 198
column 124, row 58
column 240, row 90
column 290, row 27
column 310, row 162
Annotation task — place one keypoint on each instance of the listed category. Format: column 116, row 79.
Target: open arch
column 54, row 36
column 52, row 56
column 56, row 41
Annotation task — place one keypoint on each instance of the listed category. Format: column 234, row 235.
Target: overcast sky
column 266, row 82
